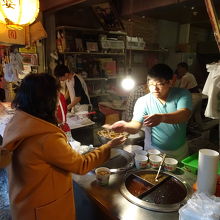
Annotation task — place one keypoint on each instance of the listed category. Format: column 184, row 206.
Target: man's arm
column 74, row 102
column 131, row 127
column 66, row 94
column 180, row 116
column 78, row 91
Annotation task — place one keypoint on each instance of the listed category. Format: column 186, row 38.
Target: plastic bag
column 201, row 207
column 82, row 149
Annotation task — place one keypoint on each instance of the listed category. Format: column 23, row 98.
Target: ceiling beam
column 54, row 5
column 137, row 6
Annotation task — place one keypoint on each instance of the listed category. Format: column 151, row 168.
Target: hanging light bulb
column 128, row 82
column 18, row 13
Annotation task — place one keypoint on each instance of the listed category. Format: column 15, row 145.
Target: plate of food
column 106, row 135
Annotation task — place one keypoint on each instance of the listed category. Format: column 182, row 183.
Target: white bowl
column 102, row 175
column 153, row 152
column 140, row 152
column 141, row 161
column 155, row 161
column 132, row 148
column 170, row 164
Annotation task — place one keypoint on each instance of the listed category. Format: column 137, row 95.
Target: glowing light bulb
column 128, row 83
column 18, row 12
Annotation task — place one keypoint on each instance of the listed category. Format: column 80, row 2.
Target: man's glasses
column 158, row 84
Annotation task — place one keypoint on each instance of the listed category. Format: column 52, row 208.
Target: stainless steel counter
column 112, row 202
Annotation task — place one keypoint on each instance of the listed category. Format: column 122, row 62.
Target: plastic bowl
column 153, row 152
column 140, row 152
column 155, row 161
column 131, row 148
column 141, row 161
column 170, row 164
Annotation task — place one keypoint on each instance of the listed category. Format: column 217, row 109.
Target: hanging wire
column 132, row 23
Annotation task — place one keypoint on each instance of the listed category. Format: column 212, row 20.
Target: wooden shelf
column 94, row 53
column 95, row 79
column 102, row 78
column 90, row 30
column 146, row 50
column 97, row 95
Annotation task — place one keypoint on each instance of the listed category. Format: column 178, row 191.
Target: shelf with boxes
column 100, row 56
column 89, row 41
column 96, row 52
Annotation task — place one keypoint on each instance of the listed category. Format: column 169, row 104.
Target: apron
column 178, row 154
column 70, row 85
column 64, row 126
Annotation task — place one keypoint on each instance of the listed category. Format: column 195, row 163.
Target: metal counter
column 113, row 203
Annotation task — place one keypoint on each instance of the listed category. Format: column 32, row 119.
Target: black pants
column 2, row 95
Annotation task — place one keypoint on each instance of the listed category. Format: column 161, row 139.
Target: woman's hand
column 117, row 141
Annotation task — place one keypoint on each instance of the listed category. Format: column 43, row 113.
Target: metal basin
column 120, row 161
column 167, row 195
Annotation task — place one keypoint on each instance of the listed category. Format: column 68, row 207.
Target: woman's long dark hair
column 38, row 95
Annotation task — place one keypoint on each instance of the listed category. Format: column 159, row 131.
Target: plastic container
column 191, row 163
column 155, row 161
column 102, row 175
column 153, row 152
column 141, row 161
column 170, row 164
column 140, row 152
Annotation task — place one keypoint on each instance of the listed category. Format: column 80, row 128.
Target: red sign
column 12, row 34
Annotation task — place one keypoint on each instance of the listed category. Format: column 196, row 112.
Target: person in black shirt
column 77, row 88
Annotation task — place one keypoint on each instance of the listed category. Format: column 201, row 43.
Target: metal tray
column 120, row 161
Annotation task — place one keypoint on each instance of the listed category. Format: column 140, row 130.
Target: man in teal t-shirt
column 165, row 109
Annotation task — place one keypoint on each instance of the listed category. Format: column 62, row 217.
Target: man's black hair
column 183, row 65
column 161, row 71
column 60, row 70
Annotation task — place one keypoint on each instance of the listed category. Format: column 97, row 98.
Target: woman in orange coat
column 40, row 180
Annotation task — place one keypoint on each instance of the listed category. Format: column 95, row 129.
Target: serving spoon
column 161, row 163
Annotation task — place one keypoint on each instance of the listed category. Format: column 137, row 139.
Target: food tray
column 191, row 163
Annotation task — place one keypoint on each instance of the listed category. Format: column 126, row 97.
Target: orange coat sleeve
column 59, row 153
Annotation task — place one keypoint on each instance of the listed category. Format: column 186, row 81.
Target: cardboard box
column 11, row 36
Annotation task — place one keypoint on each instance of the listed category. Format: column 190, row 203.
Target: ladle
column 161, row 163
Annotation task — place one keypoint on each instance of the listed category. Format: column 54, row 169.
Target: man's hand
column 118, row 126
column 152, row 120
column 69, row 107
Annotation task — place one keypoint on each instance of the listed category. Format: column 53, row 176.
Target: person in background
column 186, row 80
column 165, row 109
column 40, row 180
column 61, row 116
column 140, row 90
column 2, row 91
column 77, row 88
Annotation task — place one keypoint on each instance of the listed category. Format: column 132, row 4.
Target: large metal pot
column 166, row 196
